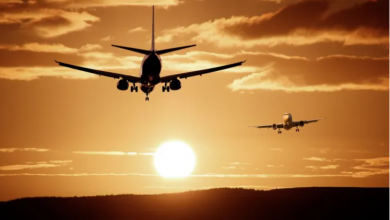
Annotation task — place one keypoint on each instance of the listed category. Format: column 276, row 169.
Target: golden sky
column 65, row 132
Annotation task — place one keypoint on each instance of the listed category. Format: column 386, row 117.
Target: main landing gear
column 134, row 88
column 279, row 132
column 147, row 98
column 165, row 88
column 297, row 130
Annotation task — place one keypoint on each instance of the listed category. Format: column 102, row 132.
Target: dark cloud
column 301, row 23
column 300, row 15
column 311, row 17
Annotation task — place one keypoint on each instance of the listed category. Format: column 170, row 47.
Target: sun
column 174, row 159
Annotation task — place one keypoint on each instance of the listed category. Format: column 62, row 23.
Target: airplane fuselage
column 150, row 72
column 287, row 121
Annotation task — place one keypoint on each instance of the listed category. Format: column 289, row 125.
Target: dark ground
column 297, row 203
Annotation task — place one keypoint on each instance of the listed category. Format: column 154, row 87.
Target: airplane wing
column 132, row 79
column 269, row 126
column 307, row 122
column 199, row 72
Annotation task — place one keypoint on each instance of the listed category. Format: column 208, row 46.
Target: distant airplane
column 150, row 70
column 288, row 123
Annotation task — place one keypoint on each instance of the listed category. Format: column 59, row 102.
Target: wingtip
column 55, row 60
column 244, row 61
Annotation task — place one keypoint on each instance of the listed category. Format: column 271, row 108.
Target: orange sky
column 310, row 58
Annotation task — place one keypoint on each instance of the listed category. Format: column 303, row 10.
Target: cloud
column 213, row 175
column 329, row 167
column 238, row 163
column 337, row 150
column 276, row 149
column 90, row 47
column 135, row 30
column 36, row 165
column 30, row 73
column 301, row 23
column 311, row 167
column 218, row 175
column 108, row 38
column 120, row 153
column 213, row 187
column 370, row 167
column 266, row 176
column 381, row 161
column 342, row 73
column 229, row 167
column 110, row 3
column 44, row 18
column 316, row 159
column 267, row 71
column 50, row 48
column 12, row 150
column 275, row 166
column 257, row 81
column 110, row 62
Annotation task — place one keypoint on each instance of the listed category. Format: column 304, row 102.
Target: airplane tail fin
column 153, row 48
column 159, row 52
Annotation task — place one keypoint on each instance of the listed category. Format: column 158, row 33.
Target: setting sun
column 174, row 159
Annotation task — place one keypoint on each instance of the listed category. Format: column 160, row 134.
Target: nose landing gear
column 147, row 98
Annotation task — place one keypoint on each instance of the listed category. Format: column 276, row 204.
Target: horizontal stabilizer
column 146, row 52
column 159, row 52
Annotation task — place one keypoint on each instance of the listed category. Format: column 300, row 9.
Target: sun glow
column 174, row 159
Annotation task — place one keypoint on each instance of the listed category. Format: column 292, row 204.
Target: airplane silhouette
column 150, row 70
column 288, row 123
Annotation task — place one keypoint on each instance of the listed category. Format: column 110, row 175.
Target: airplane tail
column 153, row 49
column 153, row 30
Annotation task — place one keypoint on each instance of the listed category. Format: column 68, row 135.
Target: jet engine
column 274, row 126
column 301, row 123
column 122, row 85
column 175, row 84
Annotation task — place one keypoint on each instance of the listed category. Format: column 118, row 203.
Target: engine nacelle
column 122, row 85
column 175, row 84
column 301, row 123
column 274, row 126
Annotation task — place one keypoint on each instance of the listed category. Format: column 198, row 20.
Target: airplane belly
column 287, row 125
column 147, row 88
column 151, row 69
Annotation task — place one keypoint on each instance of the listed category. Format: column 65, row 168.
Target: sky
column 68, row 133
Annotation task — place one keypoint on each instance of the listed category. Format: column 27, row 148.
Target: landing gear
column 165, row 88
column 147, row 98
column 134, row 88
column 279, row 132
column 297, row 130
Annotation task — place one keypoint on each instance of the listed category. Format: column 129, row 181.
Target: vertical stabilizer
column 153, row 30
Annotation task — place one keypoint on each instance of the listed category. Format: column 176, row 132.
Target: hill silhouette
column 223, row 203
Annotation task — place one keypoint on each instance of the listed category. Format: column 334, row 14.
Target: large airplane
column 150, row 70
column 288, row 123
